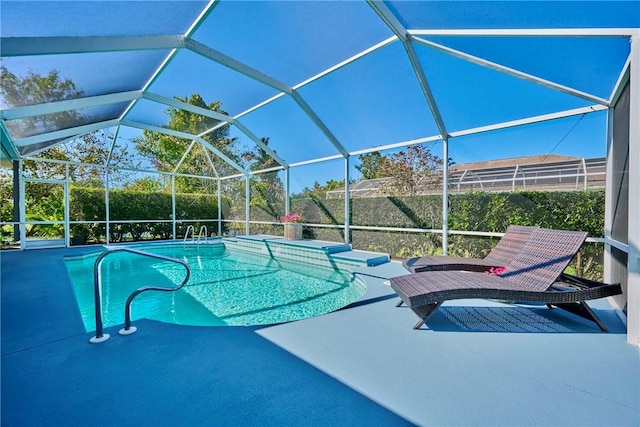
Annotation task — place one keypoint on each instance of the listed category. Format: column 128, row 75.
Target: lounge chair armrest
column 570, row 280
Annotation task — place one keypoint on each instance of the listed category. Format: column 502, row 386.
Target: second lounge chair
column 535, row 274
column 501, row 255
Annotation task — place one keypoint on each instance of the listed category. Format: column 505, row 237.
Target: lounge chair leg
column 583, row 310
column 424, row 312
column 399, row 303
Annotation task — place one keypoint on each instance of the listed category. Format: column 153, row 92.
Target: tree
column 410, row 171
column 6, row 207
column 45, row 201
column 267, row 190
column 371, row 164
column 92, row 148
column 33, row 89
column 165, row 151
column 319, row 191
column 145, row 185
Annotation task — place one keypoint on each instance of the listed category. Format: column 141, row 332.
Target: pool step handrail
column 97, row 280
column 186, row 235
column 206, row 234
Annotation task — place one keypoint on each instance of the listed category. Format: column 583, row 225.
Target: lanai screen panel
column 291, row 132
column 91, row 73
column 149, row 112
column 292, row 41
column 588, row 64
column 572, row 136
column 516, row 14
column 373, row 101
column 97, row 18
column 30, row 126
column 620, row 166
column 470, row 95
column 190, row 73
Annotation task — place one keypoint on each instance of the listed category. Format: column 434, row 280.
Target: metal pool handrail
column 203, row 228
column 186, row 235
column 128, row 329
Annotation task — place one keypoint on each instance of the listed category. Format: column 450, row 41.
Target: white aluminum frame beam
column 531, row 32
column 152, row 128
column 183, row 135
column 319, row 123
column 68, row 105
column 512, row 72
column 347, row 201
column 201, row 18
column 184, row 156
column 260, row 105
column 113, row 145
column 633, row 264
column 346, row 62
column 8, row 145
column 398, row 29
column 227, row 61
column 31, row 46
column 267, row 170
column 529, row 120
column 317, row 160
column 223, row 118
column 322, row 74
column 465, row 132
column 186, row 107
column 402, row 144
column 445, row 196
column 234, row 64
column 45, row 148
column 198, row 21
column 221, row 155
column 624, row 76
column 213, row 168
column 64, row 133
column 260, row 144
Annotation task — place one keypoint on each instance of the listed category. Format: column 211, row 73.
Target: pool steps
column 371, row 259
column 316, row 252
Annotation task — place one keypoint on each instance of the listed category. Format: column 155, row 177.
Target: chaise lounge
column 535, row 274
column 501, row 255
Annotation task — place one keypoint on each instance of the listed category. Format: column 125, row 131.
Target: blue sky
column 371, row 102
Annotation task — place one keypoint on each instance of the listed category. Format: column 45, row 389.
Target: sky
column 373, row 101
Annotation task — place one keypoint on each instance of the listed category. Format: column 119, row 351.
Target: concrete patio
column 478, row 363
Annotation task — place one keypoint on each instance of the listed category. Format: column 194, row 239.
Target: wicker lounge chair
column 535, row 275
column 501, row 255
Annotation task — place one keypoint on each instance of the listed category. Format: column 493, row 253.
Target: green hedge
column 88, row 204
column 490, row 212
column 478, row 211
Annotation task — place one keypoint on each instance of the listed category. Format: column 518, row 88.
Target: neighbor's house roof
column 539, row 172
column 514, row 161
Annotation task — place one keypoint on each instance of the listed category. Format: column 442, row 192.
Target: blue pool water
column 226, row 288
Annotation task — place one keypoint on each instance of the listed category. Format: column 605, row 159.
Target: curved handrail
column 186, row 234
column 206, row 232
column 100, row 337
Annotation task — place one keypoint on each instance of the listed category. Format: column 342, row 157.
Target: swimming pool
column 228, row 287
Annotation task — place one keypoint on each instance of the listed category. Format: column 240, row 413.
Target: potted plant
column 292, row 226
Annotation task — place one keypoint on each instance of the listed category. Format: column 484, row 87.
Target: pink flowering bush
column 496, row 270
column 291, row 218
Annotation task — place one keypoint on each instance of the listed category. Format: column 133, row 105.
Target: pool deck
column 478, row 363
